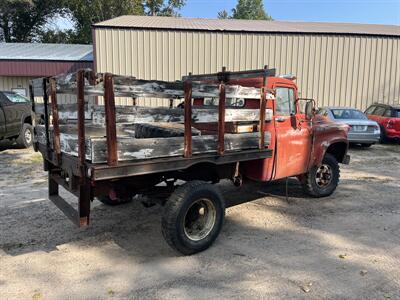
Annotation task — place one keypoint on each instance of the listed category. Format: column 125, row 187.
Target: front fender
column 328, row 140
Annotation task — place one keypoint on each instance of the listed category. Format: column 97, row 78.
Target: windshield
column 16, row 98
column 347, row 114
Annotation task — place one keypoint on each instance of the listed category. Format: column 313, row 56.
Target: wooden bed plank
column 141, row 114
column 130, row 148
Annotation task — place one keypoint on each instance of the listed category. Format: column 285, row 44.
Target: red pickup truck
column 233, row 125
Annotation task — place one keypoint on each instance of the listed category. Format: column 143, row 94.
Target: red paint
column 40, row 68
column 389, row 124
column 298, row 143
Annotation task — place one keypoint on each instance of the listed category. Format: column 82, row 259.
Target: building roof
column 258, row 26
column 46, row 52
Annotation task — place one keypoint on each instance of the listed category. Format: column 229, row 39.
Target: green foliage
column 247, row 9
column 223, row 14
column 163, row 8
column 27, row 20
column 87, row 12
column 22, row 20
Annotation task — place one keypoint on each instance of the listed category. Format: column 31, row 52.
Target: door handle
column 280, row 119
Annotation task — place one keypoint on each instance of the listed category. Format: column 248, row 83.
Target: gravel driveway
column 346, row 246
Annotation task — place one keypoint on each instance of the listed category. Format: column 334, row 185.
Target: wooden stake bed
column 117, row 145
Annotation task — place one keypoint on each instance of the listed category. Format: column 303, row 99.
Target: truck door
column 293, row 134
column 2, row 122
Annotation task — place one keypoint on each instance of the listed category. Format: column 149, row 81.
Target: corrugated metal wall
column 334, row 69
column 7, row 83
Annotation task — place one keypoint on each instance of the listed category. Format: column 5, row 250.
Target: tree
column 87, row 12
column 84, row 13
column 223, row 14
column 163, row 8
column 247, row 9
column 21, row 20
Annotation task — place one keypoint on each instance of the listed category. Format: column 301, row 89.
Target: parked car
column 16, row 119
column 388, row 118
column 362, row 131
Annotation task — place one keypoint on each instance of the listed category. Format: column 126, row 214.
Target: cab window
column 15, row 98
column 379, row 111
column 388, row 113
column 285, row 102
column 370, row 109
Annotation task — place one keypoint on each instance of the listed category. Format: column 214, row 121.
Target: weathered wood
column 130, row 87
column 133, row 149
column 140, row 114
column 66, row 112
column 130, row 148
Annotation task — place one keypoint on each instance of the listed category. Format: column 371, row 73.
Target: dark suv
column 388, row 118
column 16, row 118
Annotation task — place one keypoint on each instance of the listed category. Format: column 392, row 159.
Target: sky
column 352, row 11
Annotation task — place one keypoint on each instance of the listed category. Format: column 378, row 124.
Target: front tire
column 321, row 181
column 25, row 138
column 193, row 217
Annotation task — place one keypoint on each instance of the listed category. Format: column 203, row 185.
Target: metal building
column 21, row 62
column 335, row 63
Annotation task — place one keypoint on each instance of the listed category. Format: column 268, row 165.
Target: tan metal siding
column 334, row 69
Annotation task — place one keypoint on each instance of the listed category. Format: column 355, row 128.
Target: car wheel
column 322, row 180
column 383, row 138
column 193, row 217
column 25, row 138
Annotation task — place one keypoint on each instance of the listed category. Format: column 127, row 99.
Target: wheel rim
column 323, row 176
column 200, row 219
column 28, row 136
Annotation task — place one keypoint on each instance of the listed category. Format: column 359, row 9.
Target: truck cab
column 16, row 118
column 308, row 147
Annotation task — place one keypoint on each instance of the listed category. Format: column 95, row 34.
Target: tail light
column 390, row 124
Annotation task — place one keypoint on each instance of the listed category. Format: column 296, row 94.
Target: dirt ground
column 346, row 246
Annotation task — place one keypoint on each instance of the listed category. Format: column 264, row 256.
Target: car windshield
column 15, row 98
column 346, row 114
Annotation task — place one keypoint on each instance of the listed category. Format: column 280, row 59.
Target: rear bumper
column 363, row 137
